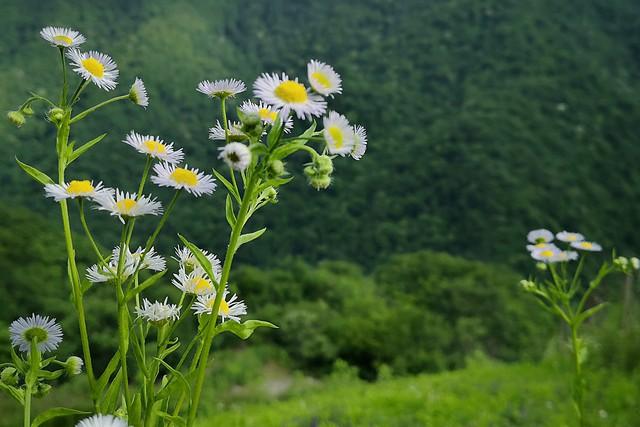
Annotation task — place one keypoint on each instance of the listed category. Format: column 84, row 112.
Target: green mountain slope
column 485, row 119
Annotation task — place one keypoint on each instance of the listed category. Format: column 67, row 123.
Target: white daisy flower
column 567, row 256
column 231, row 309
column 96, row 66
column 190, row 179
column 546, row 255
column 286, row 95
column 138, row 93
column 267, row 114
column 188, row 260
column 152, row 260
column 126, row 205
column 76, row 188
column 62, row 37
column 236, row 155
column 154, row 146
column 158, row 312
column 540, row 236
column 359, row 142
column 323, row 78
column 196, row 282
column 101, row 273
column 221, row 88
column 542, row 246
column 216, row 133
column 338, row 134
column 567, row 236
column 45, row 330
column 102, row 421
column 587, row 246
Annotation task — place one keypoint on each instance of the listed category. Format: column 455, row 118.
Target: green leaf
column 84, row 148
column 108, row 371
column 246, row 238
column 590, row 312
column 243, row 330
column 177, row 375
column 230, row 187
column 202, row 260
column 111, row 397
column 16, row 393
column 18, row 362
column 145, row 285
column 34, row 173
column 275, row 133
column 55, row 413
column 173, row 419
column 231, row 217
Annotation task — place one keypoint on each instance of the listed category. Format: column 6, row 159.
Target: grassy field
column 480, row 396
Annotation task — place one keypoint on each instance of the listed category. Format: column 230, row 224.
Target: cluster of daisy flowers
column 542, row 248
column 280, row 98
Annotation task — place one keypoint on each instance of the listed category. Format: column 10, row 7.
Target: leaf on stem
column 202, row 259
column 34, row 173
column 246, row 238
column 145, row 285
column 84, row 148
column 230, row 187
column 243, row 330
column 231, row 217
column 55, row 413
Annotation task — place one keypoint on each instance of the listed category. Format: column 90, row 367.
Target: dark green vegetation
column 485, row 118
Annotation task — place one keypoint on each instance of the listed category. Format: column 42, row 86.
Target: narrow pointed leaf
column 246, row 238
column 55, row 413
column 202, row 259
column 145, row 285
column 243, row 330
column 230, row 187
column 231, row 218
column 84, row 148
column 34, row 173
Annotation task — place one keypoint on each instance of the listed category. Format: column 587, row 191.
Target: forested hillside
column 485, row 119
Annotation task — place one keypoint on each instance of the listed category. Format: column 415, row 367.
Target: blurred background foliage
column 485, row 119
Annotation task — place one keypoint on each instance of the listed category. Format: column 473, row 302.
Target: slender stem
column 88, row 111
column 224, row 120
column 83, row 221
column 27, row 405
column 210, row 331
column 63, row 95
column 123, row 317
column 578, row 384
column 78, row 91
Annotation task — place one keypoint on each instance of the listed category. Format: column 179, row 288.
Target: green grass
column 483, row 395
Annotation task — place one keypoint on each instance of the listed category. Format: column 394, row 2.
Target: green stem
column 224, row 120
column 88, row 111
column 85, row 227
column 27, row 405
column 210, row 331
column 63, row 95
column 78, row 91
column 578, row 383
column 123, row 317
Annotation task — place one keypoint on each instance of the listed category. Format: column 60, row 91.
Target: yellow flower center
column 63, row 39
column 185, row 177
column 321, row 78
column 546, row 254
column 125, row 205
column 224, row 307
column 80, row 187
column 155, row 146
column 336, row 135
column 266, row 114
column 93, row 66
column 586, row 245
column 202, row 285
column 291, row 92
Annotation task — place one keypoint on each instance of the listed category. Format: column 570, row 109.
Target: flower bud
column 320, row 182
column 635, row 263
column 73, row 365
column 541, row 266
column 249, row 119
column 9, row 376
column 16, row 117
column 276, row 168
column 323, row 164
column 27, row 110
column 41, row 390
column 270, row 194
column 56, row 114
column 621, row 263
column 310, row 171
column 528, row 285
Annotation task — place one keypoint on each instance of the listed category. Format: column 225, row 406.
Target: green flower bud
column 27, row 110
column 41, row 390
column 9, row 376
column 270, row 194
column 528, row 285
column 320, row 182
column 73, row 365
column 276, row 168
column 16, row 117
column 635, row 263
column 310, row 172
column 249, row 119
column 56, row 114
column 541, row 266
column 323, row 164
column 621, row 263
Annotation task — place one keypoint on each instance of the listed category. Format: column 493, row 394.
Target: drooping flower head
column 540, row 236
column 338, row 134
column 158, row 312
column 138, row 93
column 128, row 205
column 567, row 236
column 285, row 95
column 236, row 155
column 221, row 88
column 95, row 66
column 229, row 309
column 217, row 133
column 189, row 262
column 102, row 421
column 154, row 146
column 323, row 78
column 44, row 330
column 189, row 179
column 76, row 188
column 62, row 37
column 267, row 114
column 587, row 246
column 359, row 142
